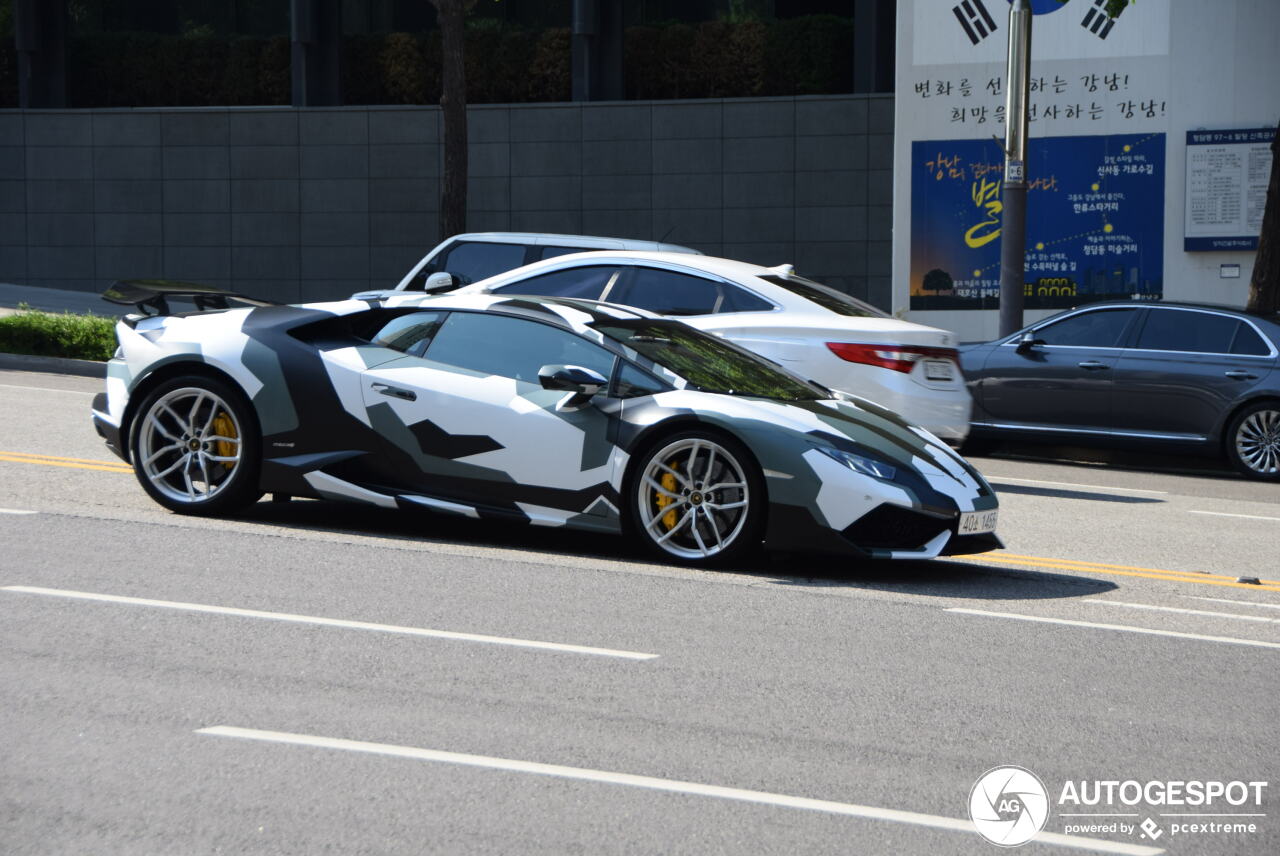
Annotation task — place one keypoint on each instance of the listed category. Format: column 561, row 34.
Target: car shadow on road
column 942, row 577
column 1200, row 464
column 933, row 578
column 1058, row 493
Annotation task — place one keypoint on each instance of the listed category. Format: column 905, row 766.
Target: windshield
column 708, row 363
column 826, row 297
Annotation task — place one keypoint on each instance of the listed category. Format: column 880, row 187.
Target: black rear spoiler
column 151, row 296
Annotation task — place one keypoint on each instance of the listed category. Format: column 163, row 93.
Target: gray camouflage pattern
column 326, row 435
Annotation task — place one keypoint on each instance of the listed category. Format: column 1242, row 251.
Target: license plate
column 977, row 522
column 938, row 370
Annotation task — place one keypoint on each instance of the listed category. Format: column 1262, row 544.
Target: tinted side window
column 669, row 293
column 475, row 261
column 633, row 382
column 409, row 333
column 1249, row 342
column 1178, row 330
column 1100, row 329
column 585, row 282
column 740, row 300
column 512, row 347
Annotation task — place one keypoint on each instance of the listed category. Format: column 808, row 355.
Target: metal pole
column 1013, row 228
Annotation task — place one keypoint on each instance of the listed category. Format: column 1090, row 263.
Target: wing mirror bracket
column 582, row 384
column 439, row 282
column 1028, row 341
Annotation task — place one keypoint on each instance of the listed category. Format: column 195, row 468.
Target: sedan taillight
column 900, row 358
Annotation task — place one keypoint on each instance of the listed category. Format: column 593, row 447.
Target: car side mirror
column 581, row 384
column 439, row 282
column 1027, row 342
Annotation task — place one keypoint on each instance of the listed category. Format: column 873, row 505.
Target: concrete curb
column 53, row 365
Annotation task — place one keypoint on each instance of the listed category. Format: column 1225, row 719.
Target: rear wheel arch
column 1224, row 426
column 166, row 372
column 1227, row 434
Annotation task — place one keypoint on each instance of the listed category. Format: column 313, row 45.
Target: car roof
column 559, row 240
column 1180, row 304
column 572, row 312
column 754, row 277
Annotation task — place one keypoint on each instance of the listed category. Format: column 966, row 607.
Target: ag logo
column 1008, row 806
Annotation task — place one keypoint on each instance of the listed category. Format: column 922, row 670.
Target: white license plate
column 977, row 522
column 938, row 370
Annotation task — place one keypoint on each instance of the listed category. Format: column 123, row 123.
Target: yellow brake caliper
column 668, row 482
column 224, row 427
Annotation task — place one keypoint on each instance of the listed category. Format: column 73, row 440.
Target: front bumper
column 793, row 529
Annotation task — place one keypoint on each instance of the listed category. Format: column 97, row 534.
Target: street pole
column 1013, row 228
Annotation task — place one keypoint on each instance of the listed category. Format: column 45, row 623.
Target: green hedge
column 713, row 59
column 84, row 337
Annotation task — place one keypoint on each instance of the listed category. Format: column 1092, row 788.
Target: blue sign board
column 1095, row 221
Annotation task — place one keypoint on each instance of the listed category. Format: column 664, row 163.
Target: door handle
column 395, row 391
column 1238, row 374
column 1093, row 365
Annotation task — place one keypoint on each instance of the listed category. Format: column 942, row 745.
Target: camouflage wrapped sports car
column 539, row 410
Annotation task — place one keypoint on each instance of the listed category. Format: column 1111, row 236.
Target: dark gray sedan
column 1157, row 375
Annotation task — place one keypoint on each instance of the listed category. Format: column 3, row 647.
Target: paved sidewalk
column 56, row 300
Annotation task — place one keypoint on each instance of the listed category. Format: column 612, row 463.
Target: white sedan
column 815, row 331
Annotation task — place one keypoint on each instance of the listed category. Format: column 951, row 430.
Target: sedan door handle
column 395, row 391
column 1093, row 365
column 1237, row 374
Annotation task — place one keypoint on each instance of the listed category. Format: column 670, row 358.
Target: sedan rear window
column 1248, row 342
column 1182, row 330
column 826, row 297
column 668, row 293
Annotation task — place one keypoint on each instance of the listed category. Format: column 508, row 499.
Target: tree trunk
column 453, row 105
column 1264, row 287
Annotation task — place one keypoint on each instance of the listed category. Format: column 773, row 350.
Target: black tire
column 677, row 519
column 196, row 446
column 1252, row 441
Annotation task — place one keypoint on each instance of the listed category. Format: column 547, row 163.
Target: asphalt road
column 316, row 678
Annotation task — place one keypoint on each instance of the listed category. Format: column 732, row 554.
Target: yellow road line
column 73, row 463
column 1109, row 567
column 63, row 458
column 1170, row 576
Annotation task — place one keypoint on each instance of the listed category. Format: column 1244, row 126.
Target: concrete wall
column 307, row 204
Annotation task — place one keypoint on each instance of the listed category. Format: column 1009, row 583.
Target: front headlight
column 860, row 463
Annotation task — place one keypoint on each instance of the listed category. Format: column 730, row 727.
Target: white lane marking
column 1229, row 600
column 1226, row 514
column 1122, row 627
column 17, row 511
column 1180, row 610
column 656, row 784
column 992, row 478
column 332, row 622
column 46, row 389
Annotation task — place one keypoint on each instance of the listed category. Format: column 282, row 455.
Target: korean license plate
column 977, row 522
column 938, row 370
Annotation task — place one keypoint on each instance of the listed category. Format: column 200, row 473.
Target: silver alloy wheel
column 1258, row 442
column 693, row 498
column 189, row 445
